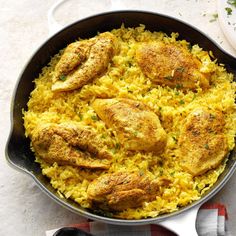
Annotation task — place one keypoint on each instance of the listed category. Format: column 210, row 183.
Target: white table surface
column 24, row 209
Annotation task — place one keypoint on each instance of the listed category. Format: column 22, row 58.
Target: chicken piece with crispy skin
column 137, row 127
column 171, row 65
column 83, row 61
column 119, row 191
column 202, row 142
column 70, row 144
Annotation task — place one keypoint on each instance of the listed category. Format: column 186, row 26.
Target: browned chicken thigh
column 119, row 191
column 83, row 61
column 202, row 142
column 70, row 144
column 137, row 127
column 171, row 65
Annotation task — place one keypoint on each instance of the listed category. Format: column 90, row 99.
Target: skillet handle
column 53, row 26
column 183, row 224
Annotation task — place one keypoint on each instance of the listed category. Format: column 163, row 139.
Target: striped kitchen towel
column 211, row 221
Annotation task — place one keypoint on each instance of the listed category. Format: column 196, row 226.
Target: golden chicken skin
column 119, row 191
column 171, row 65
column 202, row 142
column 70, row 144
column 83, row 61
column 73, row 56
column 137, row 127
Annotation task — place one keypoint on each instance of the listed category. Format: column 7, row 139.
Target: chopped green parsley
column 228, row 10
column 175, row 139
column 180, row 69
column 117, row 146
column 94, row 117
column 172, row 173
column 63, row 77
column 179, row 86
column 194, row 96
column 80, row 116
column 168, row 77
column 214, row 17
column 189, row 47
column 232, row 2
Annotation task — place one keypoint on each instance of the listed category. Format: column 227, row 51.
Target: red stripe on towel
column 221, row 208
column 83, row 226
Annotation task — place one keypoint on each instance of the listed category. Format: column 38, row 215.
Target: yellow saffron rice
column 124, row 78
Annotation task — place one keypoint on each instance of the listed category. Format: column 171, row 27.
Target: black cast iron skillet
column 18, row 152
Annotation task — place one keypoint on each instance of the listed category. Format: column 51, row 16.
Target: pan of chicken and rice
column 126, row 116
